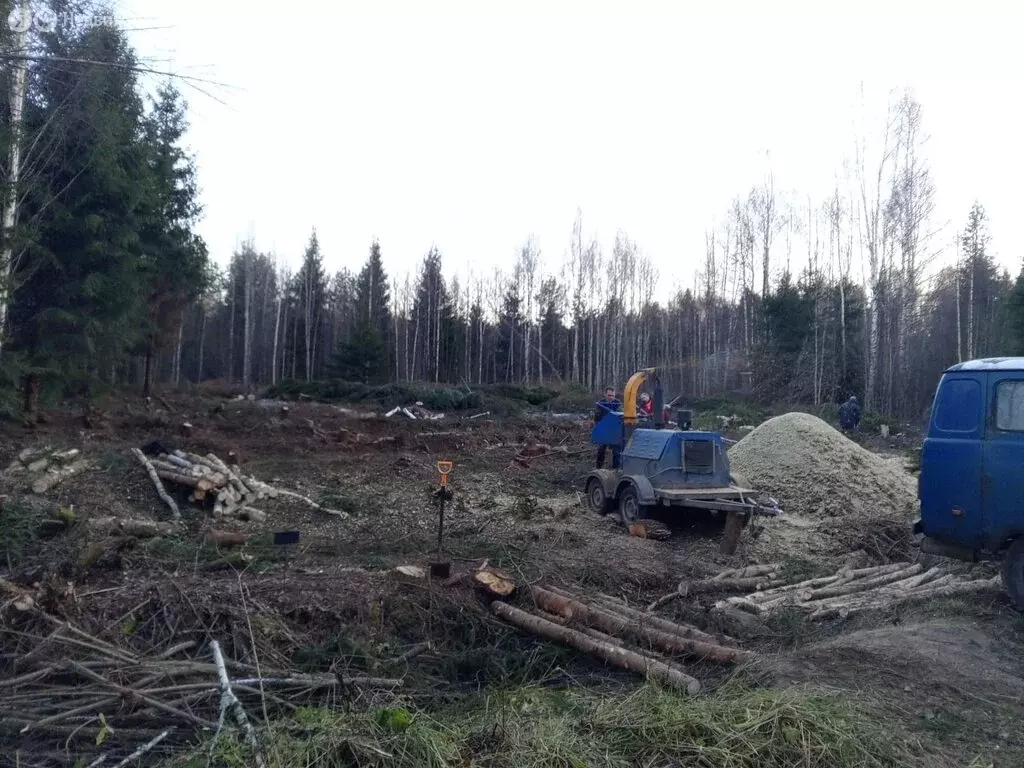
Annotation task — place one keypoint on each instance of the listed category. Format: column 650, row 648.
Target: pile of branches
column 67, row 695
column 844, row 593
column 208, row 476
column 620, row 635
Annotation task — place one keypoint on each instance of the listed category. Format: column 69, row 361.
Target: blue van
column 972, row 467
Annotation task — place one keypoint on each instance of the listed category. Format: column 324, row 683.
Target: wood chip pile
column 812, row 469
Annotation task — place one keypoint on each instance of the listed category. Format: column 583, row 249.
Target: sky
column 479, row 124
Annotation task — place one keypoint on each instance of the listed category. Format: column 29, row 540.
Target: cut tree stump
column 494, row 582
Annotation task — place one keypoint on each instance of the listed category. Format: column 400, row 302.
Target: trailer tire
column 630, row 509
column 598, row 500
column 1013, row 572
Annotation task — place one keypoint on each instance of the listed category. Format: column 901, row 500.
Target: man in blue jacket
column 849, row 415
column 599, row 412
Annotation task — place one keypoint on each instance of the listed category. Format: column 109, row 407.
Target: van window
column 1010, row 406
column 958, row 407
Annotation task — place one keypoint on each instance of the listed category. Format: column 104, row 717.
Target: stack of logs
column 45, row 468
column 620, row 635
column 846, row 592
column 208, row 475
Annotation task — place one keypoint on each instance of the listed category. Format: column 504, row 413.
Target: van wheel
column 1013, row 572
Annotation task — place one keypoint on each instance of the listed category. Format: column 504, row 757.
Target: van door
column 1003, row 476
column 951, row 461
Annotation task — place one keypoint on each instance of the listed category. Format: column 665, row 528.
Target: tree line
column 798, row 300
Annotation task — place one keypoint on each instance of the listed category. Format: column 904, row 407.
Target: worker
column 608, row 401
column 849, row 415
column 646, row 404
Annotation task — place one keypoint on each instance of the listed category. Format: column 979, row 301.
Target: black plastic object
column 684, row 418
column 155, row 448
column 286, row 537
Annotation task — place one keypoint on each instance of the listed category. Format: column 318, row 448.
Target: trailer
column 658, row 466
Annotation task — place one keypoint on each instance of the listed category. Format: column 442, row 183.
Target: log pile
column 208, row 477
column 733, row 579
column 619, row 635
column 64, row 687
column 850, row 591
column 44, row 468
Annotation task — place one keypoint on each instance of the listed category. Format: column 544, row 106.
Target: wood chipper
column 659, row 465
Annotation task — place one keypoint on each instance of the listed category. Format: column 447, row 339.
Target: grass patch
column 735, row 727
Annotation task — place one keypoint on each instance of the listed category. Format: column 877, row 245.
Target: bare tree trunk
column 231, row 330
column 176, row 371
column 277, row 334
column 18, row 66
column 247, row 323
column 202, row 341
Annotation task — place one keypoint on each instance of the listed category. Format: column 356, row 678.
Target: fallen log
column 672, row 627
column 738, row 584
column 748, row 572
column 655, row 670
column 861, row 585
column 620, row 626
column 160, row 490
column 226, row 538
column 139, row 529
column 53, row 476
column 868, row 603
column 201, row 484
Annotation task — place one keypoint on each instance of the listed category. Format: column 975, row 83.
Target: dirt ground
column 953, row 672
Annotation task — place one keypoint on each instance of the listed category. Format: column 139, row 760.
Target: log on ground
column 620, row 626
column 620, row 657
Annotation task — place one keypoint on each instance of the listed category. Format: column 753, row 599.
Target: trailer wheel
column 597, row 499
column 630, row 507
column 1013, row 572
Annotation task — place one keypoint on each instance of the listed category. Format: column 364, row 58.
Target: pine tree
column 312, row 295
column 79, row 285
column 367, row 354
column 174, row 264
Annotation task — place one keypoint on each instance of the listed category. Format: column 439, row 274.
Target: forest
column 105, row 283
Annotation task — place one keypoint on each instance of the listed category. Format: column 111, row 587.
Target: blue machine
column 971, row 485
column 668, row 467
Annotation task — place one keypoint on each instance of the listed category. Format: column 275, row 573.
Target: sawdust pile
column 856, row 498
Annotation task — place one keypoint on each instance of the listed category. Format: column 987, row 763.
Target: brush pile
column 846, row 592
column 65, row 693
column 619, row 635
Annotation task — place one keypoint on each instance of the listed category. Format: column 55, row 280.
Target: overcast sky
column 472, row 129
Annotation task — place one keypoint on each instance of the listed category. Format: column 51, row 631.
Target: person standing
column 849, row 415
column 608, row 402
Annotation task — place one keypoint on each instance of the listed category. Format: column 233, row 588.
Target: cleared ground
column 936, row 684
